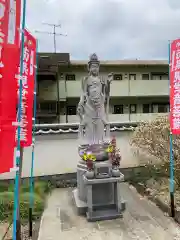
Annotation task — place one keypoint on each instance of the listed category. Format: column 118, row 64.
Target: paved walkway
column 142, row 221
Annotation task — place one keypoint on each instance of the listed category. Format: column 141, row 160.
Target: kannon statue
column 93, row 107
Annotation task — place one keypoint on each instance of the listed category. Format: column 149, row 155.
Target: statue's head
column 93, row 65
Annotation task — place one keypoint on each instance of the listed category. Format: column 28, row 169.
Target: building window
column 163, row 108
column 46, row 77
column 71, row 110
column 48, row 107
column 132, row 76
column 117, row 76
column 160, row 76
column 70, row 77
column 118, row 109
column 165, row 77
column 133, row 108
column 145, row 76
column 146, row 108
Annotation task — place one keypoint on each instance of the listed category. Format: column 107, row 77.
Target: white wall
column 138, row 117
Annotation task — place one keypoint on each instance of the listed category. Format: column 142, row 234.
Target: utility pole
column 53, row 32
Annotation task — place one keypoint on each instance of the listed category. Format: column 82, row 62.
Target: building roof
column 49, row 62
column 55, row 59
column 123, row 62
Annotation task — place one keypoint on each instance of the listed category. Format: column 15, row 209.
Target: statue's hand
column 110, row 77
column 80, row 108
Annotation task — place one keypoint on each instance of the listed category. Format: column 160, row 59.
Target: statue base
column 98, row 198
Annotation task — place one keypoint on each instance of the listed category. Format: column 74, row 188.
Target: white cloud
column 114, row 29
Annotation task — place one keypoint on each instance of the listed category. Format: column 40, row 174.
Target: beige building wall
column 119, row 88
column 131, row 89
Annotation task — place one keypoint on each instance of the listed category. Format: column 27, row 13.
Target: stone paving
column 142, row 220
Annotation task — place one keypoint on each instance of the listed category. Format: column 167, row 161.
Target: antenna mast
column 53, row 33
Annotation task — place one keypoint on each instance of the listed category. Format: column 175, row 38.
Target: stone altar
column 98, row 176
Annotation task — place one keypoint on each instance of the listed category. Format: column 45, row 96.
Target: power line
column 53, row 33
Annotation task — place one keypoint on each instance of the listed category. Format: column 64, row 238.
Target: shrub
column 152, row 138
column 42, row 188
column 7, row 199
column 7, row 205
column 4, row 185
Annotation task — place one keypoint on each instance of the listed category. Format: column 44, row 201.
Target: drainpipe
column 58, row 97
column 129, row 96
column 66, row 103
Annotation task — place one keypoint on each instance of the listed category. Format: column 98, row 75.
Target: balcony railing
column 121, row 88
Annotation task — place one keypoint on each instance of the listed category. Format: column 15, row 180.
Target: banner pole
column 18, row 150
column 18, row 217
column 171, row 187
column 32, row 156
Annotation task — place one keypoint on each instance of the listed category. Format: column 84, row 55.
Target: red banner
column 175, row 87
column 29, row 62
column 10, row 17
column 9, row 58
column 4, row 19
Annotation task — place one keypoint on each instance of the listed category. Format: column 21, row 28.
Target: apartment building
column 139, row 91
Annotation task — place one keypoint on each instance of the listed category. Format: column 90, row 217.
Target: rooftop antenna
column 53, row 33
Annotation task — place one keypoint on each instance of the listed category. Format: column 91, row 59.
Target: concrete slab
column 142, row 220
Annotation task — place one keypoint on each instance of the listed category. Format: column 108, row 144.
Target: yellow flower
column 110, row 149
column 91, row 157
column 85, row 156
column 88, row 156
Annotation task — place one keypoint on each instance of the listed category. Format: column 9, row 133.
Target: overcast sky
column 114, row 29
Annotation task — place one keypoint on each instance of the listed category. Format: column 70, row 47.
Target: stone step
column 103, row 214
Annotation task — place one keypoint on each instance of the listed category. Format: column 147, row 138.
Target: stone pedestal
column 98, row 198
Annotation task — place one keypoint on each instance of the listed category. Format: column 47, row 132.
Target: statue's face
column 94, row 69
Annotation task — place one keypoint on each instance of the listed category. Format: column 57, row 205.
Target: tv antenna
column 54, row 33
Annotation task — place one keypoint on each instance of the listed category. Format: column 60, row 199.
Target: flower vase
column 115, row 171
column 89, row 174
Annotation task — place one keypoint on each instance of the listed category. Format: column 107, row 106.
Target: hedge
column 7, row 200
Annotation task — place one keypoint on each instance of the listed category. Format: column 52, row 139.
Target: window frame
column 132, row 74
column 147, row 75
column 48, row 107
column 116, row 75
column 68, row 77
column 74, row 110
column 120, row 106
column 149, row 108
column 130, row 110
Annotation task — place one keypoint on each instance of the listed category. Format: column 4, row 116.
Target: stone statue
column 93, row 107
column 98, row 175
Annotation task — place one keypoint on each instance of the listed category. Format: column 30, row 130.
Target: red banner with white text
column 175, row 87
column 9, row 59
column 28, row 77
